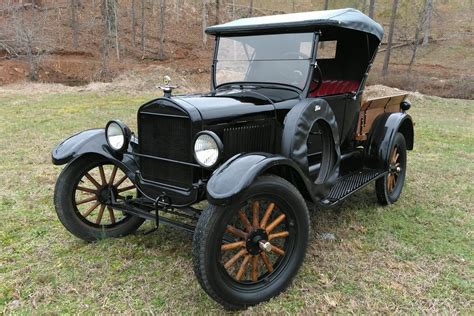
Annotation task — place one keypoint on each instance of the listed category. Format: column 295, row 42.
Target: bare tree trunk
column 251, row 8
column 293, row 5
column 233, row 9
column 134, row 22
column 74, row 25
column 177, row 8
column 162, row 29
column 427, row 20
column 371, row 9
column 104, row 48
column 218, row 9
column 32, row 36
column 326, row 6
column 364, row 6
column 117, row 46
column 390, row 39
column 204, row 21
column 142, row 34
column 415, row 46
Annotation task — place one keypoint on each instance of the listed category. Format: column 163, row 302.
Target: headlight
column 207, row 149
column 117, row 135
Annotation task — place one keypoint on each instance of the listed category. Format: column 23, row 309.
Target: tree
column 73, row 23
column 142, row 34
column 204, row 21
column 427, row 21
column 108, row 9
column 32, row 38
column 134, row 22
column 326, row 4
column 414, row 48
column 218, row 5
column 251, row 8
column 390, row 38
column 161, row 54
column 177, row 4
column 117, row 46
column 424, row 17
column 371, row 9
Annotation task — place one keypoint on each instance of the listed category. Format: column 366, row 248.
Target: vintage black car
column 283, row 130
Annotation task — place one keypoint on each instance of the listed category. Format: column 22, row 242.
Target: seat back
column 332, row 87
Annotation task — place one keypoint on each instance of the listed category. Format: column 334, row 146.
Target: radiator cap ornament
column 167, row 87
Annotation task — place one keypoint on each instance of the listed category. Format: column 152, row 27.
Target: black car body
column 276, row 108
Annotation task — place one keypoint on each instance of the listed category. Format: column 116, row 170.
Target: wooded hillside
column 78, row 41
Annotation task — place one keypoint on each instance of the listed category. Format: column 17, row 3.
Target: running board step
column 352, row 182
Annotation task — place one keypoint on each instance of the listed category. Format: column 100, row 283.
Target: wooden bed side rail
column 372, row 108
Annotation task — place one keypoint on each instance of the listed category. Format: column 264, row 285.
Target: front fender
column 382, row 134
column 230, row 181
column 93, row 141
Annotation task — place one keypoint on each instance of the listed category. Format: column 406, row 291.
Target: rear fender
column 381, row 136
column 93, row 142
column 231, row 180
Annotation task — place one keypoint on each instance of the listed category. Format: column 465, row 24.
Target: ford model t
column 283, row 129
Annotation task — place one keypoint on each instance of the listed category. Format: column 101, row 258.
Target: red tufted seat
column 330, row 87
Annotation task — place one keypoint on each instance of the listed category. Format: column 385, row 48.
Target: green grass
column 412, row 257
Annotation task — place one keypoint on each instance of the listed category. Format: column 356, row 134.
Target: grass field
column 412, row 257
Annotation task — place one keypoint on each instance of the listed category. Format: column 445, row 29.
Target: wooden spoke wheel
column 389, row 187
column 249, row 252
column 95, row 191
column 255, row 241
column 394, row 169
column 83, row 195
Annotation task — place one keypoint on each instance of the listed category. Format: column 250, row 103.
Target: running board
column 352, row 182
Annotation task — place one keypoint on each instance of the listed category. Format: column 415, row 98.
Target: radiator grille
column 165, row 137
column 248, row 137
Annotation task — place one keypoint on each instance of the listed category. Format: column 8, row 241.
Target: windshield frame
column 303, row 91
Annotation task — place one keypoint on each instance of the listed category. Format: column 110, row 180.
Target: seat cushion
column 330, row 87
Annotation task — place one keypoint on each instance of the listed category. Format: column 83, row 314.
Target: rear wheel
column 249, row 252
column 389, row 187
column 82, row 194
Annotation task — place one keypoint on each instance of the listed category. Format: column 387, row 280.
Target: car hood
column 223, row 109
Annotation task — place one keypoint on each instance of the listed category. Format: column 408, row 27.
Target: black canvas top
column 343, row 18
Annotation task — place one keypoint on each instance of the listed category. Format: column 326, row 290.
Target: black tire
column 389, row 187
column 65, row 195
column 208, row 262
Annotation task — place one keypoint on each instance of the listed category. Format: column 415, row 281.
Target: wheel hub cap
column 104, row 194
column 255, row 239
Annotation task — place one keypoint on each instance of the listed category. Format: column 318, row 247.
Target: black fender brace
column 93, row 141
column 381, row 136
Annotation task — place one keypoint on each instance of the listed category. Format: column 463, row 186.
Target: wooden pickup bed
column 371, row 108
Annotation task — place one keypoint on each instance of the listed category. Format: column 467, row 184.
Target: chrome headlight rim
column 126, row 134
column 219, row 147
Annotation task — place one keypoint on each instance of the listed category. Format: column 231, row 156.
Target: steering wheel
column 296, row 74
column 317, row 79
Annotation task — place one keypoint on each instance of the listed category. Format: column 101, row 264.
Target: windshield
column 279, row 58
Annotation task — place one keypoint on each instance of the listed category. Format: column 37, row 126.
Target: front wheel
column 389, row 187
column 247, row 253
column 82, row 195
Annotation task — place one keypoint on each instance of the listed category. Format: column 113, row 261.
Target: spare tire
column 297, row 126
